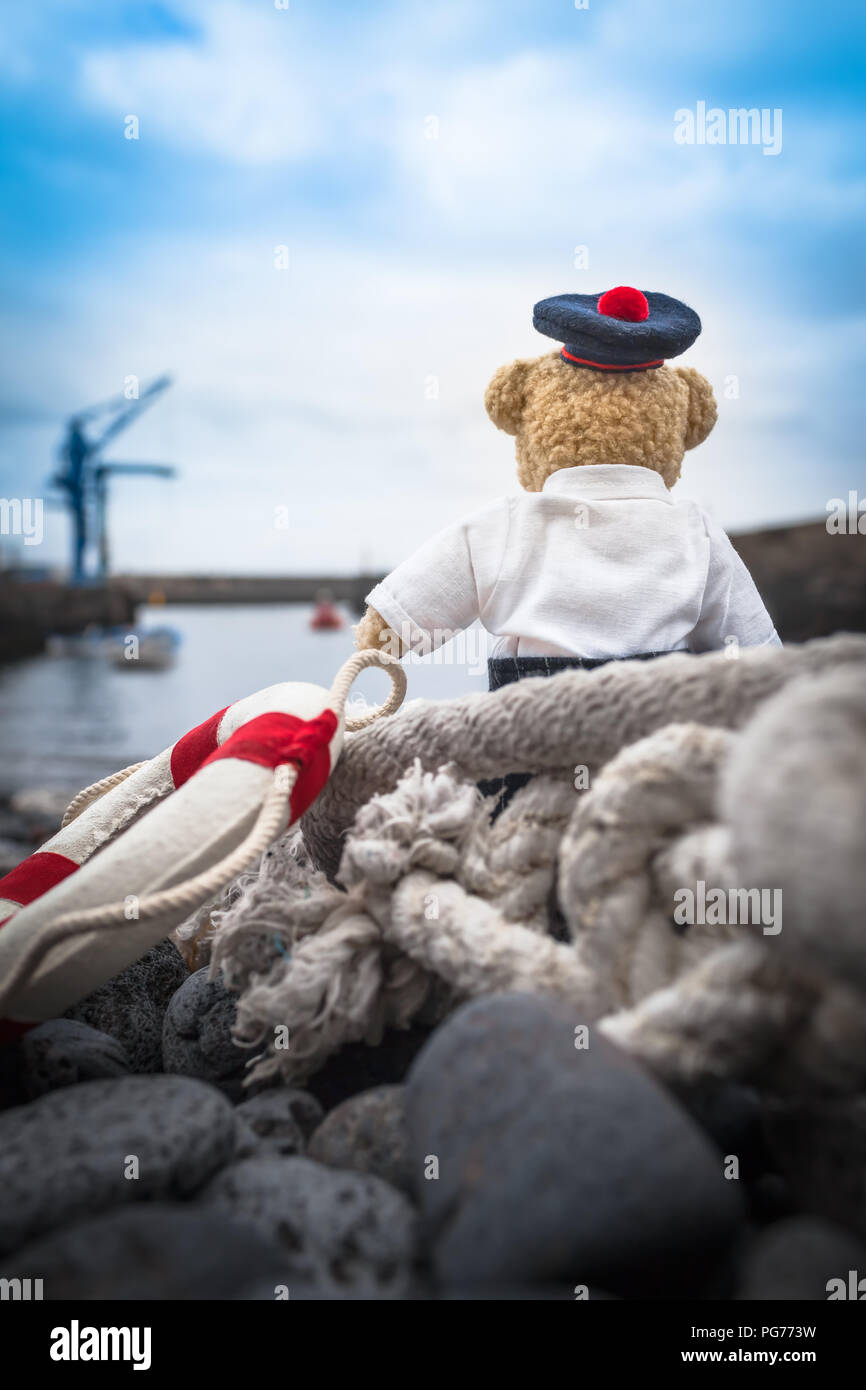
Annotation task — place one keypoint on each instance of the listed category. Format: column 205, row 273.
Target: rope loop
column 352, row 668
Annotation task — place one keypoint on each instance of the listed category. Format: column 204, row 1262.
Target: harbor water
column 67, row 720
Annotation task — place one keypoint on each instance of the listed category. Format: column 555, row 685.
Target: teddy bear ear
column 702, row 406
column 505, row 397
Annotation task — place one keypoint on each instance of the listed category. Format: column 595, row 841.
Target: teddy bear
column 596, row 560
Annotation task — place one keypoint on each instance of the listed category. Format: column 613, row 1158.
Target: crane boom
column 133, row 409
column 157, row 470
column 85, row 479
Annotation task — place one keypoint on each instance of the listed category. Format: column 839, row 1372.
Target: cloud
column 242, row 92
column 538, row 141
column 272, row 407
column 350, row 386
column 541, row 143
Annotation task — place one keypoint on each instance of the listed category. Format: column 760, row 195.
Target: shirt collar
column 599, row 480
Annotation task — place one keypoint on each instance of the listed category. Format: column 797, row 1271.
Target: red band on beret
column 611, row 367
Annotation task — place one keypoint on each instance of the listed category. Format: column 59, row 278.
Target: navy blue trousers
column 505, row 670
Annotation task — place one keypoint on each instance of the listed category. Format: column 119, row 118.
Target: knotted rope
column 433, row 904
column 578, row 718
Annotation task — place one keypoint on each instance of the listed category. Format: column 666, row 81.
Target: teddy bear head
column 607, row 397
column 563, row 416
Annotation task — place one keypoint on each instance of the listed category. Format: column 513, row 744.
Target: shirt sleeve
column 444, row 586
column 732, row 606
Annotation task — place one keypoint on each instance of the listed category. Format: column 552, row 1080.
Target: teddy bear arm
column 373, row 631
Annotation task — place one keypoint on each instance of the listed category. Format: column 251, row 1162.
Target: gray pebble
column 348, row 1235
column 797, row 1259
column 281, row 1120
column 247, row 1142
column 820, row 1147
column 368, row 1134
column 197, row 1038
column 65, row 1052
column 555, row 1162
column 155, row 1251
column 72, row 1153
column 132, row 1006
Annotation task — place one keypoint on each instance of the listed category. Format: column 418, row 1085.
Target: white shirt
column 603, row 562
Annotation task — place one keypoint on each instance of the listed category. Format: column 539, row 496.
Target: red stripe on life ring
column 189, row 752
column 23, row 885
column 35, row 876
column 273, row 739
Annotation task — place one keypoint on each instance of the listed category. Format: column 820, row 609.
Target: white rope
column 92, row 793
column 361, row 661
column 579, row 718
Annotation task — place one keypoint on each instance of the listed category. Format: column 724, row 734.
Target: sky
column 334, row 223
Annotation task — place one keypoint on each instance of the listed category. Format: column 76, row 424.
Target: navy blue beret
column 624, row 330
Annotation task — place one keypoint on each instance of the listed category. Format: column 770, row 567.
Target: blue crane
column 84, row 476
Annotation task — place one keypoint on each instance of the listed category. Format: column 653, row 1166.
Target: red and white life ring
column 142, row 855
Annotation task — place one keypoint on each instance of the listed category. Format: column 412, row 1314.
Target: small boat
column 152, row 649
column 325, row 617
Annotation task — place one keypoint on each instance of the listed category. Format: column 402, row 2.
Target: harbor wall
column 812, row 581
